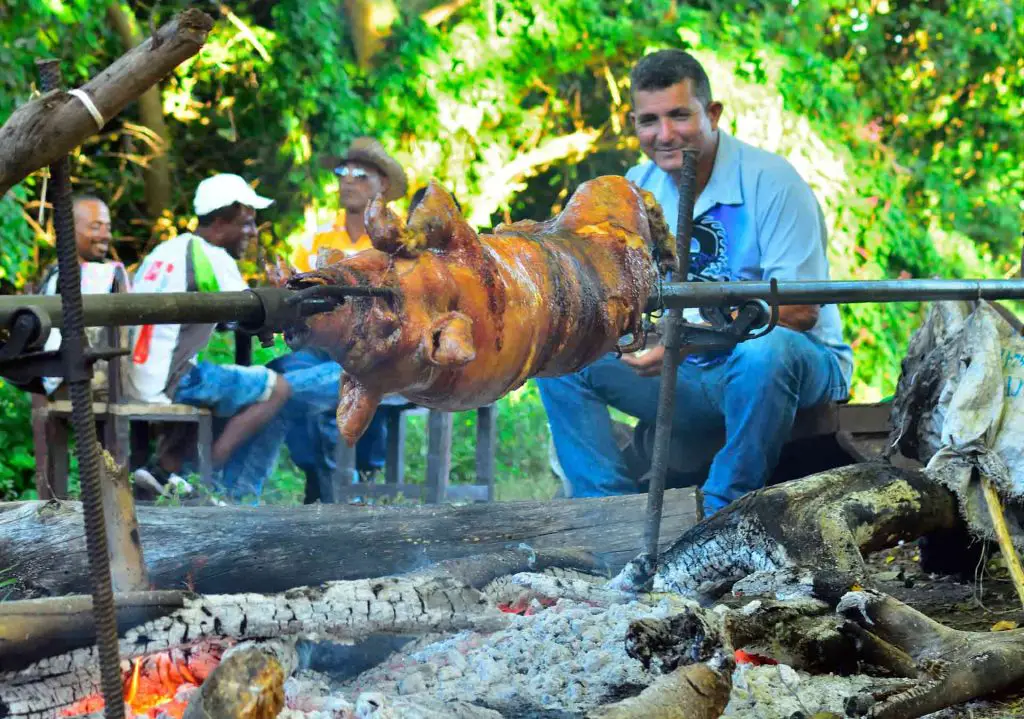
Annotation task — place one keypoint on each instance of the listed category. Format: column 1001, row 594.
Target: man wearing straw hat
column 364, row 171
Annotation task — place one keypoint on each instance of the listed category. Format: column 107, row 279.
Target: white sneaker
column 172, row 484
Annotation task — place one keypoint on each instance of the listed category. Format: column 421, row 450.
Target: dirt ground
column 984, row 602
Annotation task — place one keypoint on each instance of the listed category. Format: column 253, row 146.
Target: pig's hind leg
column 356, row 407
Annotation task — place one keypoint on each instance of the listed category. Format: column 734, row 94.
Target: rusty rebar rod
column 670, row 362
column 79, row 375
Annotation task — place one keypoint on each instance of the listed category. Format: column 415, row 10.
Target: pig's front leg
column 356, row 407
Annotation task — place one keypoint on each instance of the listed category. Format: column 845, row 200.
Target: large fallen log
column 272, row 549
column 49, row 127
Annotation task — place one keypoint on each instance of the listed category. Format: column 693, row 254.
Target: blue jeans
column 308, row 425
column 224, row 389
column 752, row 398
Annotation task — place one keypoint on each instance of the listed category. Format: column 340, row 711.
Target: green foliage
column 17, row 469
column 522, row 457
column 904, row 116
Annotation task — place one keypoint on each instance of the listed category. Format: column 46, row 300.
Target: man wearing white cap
column 164, row 367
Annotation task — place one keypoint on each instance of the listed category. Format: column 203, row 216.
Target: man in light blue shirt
column 754, row 219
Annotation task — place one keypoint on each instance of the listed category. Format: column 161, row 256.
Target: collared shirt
column 756, row 220
column 334, row 237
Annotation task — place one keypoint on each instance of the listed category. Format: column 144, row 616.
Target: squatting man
column 755, row 218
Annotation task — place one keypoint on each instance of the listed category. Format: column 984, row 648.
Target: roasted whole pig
column 473, row 317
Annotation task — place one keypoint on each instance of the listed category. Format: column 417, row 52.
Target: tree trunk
column 272, row 549
column 151, row 113
column 41, row 131
column 370, row 22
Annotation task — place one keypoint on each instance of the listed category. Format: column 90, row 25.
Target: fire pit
column 555, row 643
column 159, row 686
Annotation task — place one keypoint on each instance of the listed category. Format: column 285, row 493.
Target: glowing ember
column 159, row 685
column 525, row 605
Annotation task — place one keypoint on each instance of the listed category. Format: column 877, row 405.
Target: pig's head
column 357, row 330
column 417, row 329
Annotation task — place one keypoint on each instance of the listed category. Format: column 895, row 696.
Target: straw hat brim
column 373, row 154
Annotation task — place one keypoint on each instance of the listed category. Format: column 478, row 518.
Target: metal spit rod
column 670, row 362
column 248, row 308
column 79, row 376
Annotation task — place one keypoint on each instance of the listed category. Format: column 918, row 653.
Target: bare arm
column 799, row 317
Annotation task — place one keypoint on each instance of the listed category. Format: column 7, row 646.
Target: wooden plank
column 394, row 462
column 333, row 487
column 468, row 492
column 439, row 454
column 136, row 410
column 376, row 491
column 269, row 549
column 486, row 448
column 865, row 418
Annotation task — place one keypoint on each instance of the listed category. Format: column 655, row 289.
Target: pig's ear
column 327, row 256
column 448, row 342
column 439, row 222
column 387, row 231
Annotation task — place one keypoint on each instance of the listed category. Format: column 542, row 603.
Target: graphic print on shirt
column 709, row 249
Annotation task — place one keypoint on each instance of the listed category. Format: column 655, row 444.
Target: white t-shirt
column 161, row 354
column 98, row 278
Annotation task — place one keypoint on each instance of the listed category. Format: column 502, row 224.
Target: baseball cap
column 226, row 189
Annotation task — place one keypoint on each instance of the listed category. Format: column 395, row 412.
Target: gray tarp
column 961, row 397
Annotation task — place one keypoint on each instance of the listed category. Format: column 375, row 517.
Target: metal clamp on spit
column 728, row 326
column 283, row 308
column 22, row 359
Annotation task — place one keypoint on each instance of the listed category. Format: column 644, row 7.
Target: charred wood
column 697, row 691
column 247, row 684
column 810, row 532
column 955, row 666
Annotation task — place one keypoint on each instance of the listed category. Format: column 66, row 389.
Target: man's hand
column 799, row 317
column 647, row 363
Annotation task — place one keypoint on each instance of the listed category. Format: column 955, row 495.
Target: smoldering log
column 431, row 601
column 49, row 127
column 248, row 684
column 218, row 550
column 810, row 531
column 35, row 629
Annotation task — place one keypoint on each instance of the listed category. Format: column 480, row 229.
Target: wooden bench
column 51, row 420
column 436, row 488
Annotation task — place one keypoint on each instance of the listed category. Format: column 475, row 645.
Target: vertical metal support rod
column 78, row 376
column 670, row 362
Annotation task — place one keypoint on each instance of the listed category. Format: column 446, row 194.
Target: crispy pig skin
column 474, row 317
